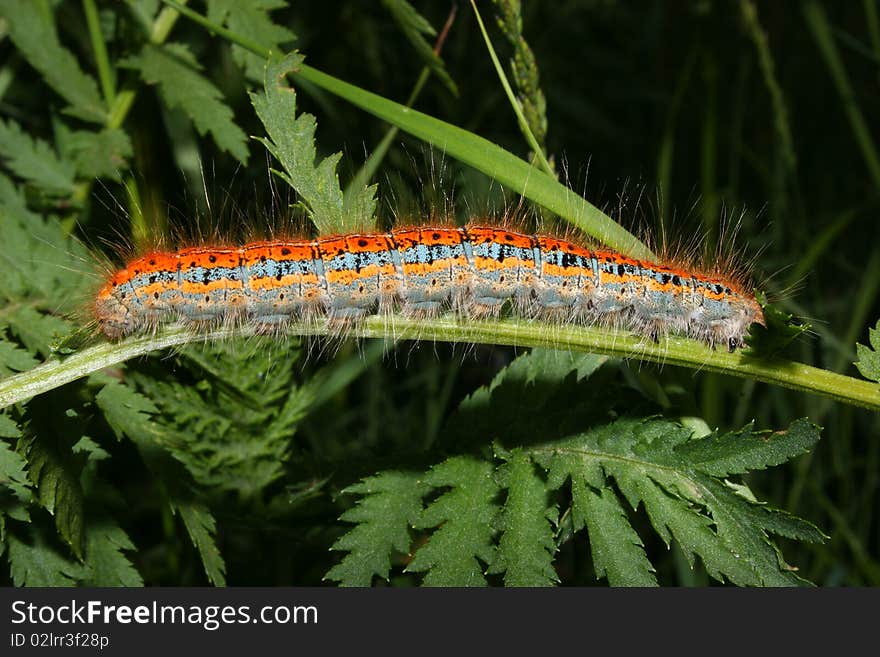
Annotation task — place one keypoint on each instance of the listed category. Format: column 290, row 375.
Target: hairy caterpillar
column 473, row 270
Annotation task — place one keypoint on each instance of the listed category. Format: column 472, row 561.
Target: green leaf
column 127, row 412
column 177, row 73
column 14, row 359
column 102, row 154
column 54, row 468
column 647, row 460
column 618, row 551
column 130, row 414
column 252, row 21
column 745, row 450
column 526, row 546
column 414, row 27
column 35, row 562
column 13, row 472
column 32, row 29
column 8, row 427
column 781, row 330
column 38, row 331
column 34, row 160
column 782, row 523
column 391, row 502
column 748, row 540
column 202, row 529
column 16, row 492
column 674, row 517
column 36, row 258
column 464, row 519
column 105, row 563
column 869, row 357
column 292, row 142
column 547, row 391
column 227, row 431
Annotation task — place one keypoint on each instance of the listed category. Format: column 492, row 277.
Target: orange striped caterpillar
column 473, row 270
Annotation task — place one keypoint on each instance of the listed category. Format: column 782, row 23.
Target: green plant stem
column 518, row 333
column 511, row 97
column 124, row 99
column 873, row 22
column 102, row 60
column 514, row 173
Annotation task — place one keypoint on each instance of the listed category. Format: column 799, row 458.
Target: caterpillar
column 474, row 270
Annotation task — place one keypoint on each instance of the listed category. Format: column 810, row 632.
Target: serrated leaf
column 743, row 451
column 14, row 359
column 16, row 491
column 32, row 29
column 389, row 504
column 105, row 561
column 415, row 27
column 33, row 561
column 618, row 552
column 177, row 73
column 126, row 411
column 8, row 427
column 202, row 529
column 649, row 462
column 782, row 523
column 781, row 330
column 292, row 142
column 673, row 517
column 35, row 264
column 129, row 414
column 102, row 154
column 526, row 546
column 13, row 473
column 224, row 431
column 464, row 518
column 55, row 470
column 34, row 160
column 868, row 363
column 541, row 395
column 747, row 539
column 38, row 331
column 252, row 21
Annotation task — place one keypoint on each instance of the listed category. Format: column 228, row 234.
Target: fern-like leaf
column 101, row 154
column 32, row 29
column 292, row 142
column 14, row 359
column 182, row 85
column 55, row 469
column 460, row 546
column 105, row 561
column 868, row 363
column 252, row 21
column 391, row 502
column 30, row 251
column 526, row 546
column 35, row 160
column 34, row 561
column 742, row 451
column 648, row 460
column 129, row 414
